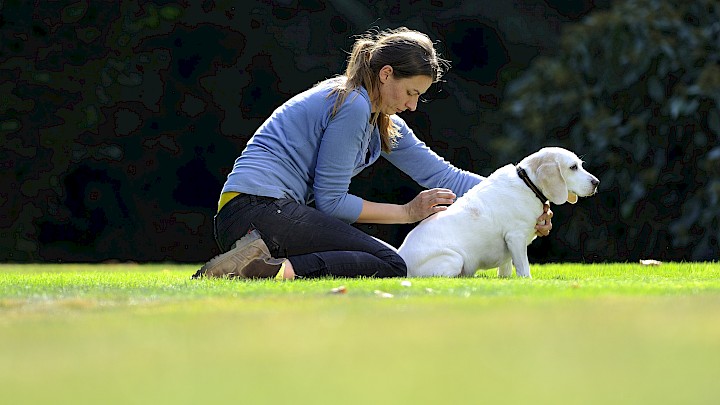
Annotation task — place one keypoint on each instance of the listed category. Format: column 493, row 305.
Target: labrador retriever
column 494, row 222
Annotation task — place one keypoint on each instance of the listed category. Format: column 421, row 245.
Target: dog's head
column 559, row 175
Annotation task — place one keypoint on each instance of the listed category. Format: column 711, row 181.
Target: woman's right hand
column 428, row 202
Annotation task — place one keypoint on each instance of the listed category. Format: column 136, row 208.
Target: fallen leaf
column 339, row 290
column 383, row 294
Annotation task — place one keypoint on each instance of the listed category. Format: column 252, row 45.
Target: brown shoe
column 262, row 268
column 248, row 250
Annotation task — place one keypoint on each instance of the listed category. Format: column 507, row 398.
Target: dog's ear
column 552, row 183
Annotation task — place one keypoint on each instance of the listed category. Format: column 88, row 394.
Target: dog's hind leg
column 449, row 264
column 505, row 270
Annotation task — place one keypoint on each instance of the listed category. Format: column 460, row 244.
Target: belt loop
column 253, row 199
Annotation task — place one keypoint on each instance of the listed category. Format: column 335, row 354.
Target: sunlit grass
column 577, row 334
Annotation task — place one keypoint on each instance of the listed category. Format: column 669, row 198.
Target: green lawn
column 575, row 334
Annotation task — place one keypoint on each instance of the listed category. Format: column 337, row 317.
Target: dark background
column 121, row 120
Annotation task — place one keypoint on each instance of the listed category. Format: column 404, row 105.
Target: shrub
column 636, row 89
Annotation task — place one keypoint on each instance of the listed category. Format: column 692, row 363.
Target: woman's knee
column 397, row 267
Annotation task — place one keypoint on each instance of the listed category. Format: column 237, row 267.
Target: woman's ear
column 385, row 73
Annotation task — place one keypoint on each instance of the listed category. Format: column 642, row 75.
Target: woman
column 310, row 148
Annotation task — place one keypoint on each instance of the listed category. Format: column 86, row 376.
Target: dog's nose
column 595, row 182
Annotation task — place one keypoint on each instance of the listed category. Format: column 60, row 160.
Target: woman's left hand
column 544, row 222
column 428, row 202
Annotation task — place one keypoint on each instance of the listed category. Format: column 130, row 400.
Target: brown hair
column 410, row 53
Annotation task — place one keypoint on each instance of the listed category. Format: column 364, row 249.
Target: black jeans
column 316, row 244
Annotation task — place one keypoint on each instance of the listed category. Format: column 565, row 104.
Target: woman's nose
column 412, row 104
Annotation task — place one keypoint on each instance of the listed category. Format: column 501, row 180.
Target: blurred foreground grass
column 593, row 334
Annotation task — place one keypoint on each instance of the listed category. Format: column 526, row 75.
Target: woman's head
column 410, row 53
column 395, row 67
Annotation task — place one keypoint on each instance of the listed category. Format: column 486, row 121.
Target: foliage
column 636, row 90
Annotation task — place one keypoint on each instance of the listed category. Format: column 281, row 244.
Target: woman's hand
column 544, row 223
column 428, row 202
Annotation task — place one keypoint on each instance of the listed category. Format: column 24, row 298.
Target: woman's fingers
column 429, row 202
column 442, row 196
column 544, row 224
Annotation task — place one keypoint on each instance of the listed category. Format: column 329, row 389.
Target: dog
column 494, row 222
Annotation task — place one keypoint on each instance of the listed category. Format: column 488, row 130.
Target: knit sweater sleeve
column 426, row 167
column 340, row 146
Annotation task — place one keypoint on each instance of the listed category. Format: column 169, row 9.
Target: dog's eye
column 574, row 167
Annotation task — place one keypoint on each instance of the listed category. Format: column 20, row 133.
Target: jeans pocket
column 235, row 220
column 286, row 208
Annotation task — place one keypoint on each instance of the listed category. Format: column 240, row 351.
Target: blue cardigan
column 302, row 153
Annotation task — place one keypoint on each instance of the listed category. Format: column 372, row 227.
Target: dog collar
column 523, row 175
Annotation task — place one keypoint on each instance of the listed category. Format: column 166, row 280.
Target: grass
column 575, row 334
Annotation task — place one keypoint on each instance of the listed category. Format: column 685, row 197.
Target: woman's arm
column 339, row 147
column 414, row 158
column 422, row 206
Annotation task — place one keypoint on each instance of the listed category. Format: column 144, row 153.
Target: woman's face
column 400, row 94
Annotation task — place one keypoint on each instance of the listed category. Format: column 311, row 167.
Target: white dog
column 494, row 221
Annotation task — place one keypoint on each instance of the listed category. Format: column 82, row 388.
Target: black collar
column 523, row 175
